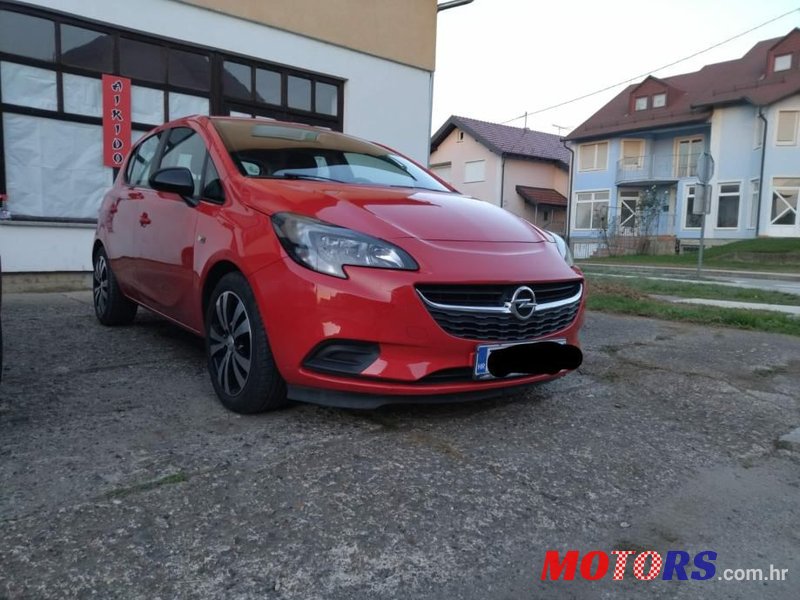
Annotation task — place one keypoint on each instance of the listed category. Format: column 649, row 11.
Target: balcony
column 656, row 168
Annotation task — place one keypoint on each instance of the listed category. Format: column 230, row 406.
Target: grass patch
column 179, row 477
column 667, row 287
column 615, row 297
column 765, row 254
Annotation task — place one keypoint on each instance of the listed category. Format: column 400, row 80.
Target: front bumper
column 418, row 359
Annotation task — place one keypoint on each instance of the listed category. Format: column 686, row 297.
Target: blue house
column 636, row 160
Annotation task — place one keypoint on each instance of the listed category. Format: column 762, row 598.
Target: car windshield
column 273, row 150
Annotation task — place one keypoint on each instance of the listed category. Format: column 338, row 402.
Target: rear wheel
column 240, row 361
column 110, row 305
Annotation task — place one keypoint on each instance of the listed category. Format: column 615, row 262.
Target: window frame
column 774, row 189
column 639, row 159
column 677, row 166
column 659, row 95
column 793, row 141
column 721, row 195
column 645, row 100
column 775, row 68
column 690, row 191
column 593, row 201
column 474, row 162
column 581, row 167
column 755, row 197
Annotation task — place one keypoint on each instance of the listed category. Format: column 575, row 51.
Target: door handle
column 144, row 220
column 135, row 195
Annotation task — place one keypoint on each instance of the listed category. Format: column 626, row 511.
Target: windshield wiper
column 304, row 176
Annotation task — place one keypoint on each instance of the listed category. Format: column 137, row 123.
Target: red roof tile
column 692, row 96
column 537, row 195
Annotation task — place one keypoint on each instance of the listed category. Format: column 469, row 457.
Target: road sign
column 705, row 167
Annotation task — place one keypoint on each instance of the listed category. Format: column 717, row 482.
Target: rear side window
column 141, row 161
column 185, row 148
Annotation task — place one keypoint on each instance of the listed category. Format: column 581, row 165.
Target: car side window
column 212, row 186
column 141, row 162
column 185, row 148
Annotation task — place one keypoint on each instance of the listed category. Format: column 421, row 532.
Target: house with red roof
column 523, row 171
column 650, row 143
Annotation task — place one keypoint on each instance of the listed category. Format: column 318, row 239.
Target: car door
column 166, row 246
column 124, row 227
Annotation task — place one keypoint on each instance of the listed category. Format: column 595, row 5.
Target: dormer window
column 641, row 103
column 782, row 63
column 659, row 100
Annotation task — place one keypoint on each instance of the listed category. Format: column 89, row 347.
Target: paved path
column 121, row 476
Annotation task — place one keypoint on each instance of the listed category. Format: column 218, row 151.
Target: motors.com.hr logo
column 647, row 566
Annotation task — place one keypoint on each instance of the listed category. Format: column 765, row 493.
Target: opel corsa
column 323, row 268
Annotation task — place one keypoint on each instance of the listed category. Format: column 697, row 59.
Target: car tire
column 240, row 361
column 110, row 305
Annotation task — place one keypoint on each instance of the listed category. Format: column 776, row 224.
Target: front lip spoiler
column 364, row 401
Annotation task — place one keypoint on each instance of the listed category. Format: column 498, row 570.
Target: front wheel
column 110, row 305
column 240, row 361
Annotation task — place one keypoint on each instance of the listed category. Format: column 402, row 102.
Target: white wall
column 384, row 101
column 37, row 247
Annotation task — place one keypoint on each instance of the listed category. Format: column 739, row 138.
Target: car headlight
column 563, row 249
column 328, row 248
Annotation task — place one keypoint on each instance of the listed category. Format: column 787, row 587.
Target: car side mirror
column 176, row 180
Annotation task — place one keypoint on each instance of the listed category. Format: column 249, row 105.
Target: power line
column 672, row 64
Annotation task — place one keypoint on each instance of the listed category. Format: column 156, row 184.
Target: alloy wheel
column 100, row 287
column 230, row 343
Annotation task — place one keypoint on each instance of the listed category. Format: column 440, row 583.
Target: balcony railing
column 656, row 167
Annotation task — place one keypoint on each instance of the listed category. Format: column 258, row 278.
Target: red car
column 324, row 268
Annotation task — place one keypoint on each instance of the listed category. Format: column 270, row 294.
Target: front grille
column 491, row 325
column 495, row 295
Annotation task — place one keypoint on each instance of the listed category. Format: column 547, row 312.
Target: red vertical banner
column 116, row 119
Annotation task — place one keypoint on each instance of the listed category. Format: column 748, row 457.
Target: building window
column 659, row 100
column 755, row 193
column 628, row 209
column 87, row 48
column 326, row 100
column 269, row 87
column 189, row 70
column 728, row 206
column 640, row 103
column 691, row 221
column 474, row 171
column 785, row 191
column 783, row 62
column 632, row 154
column 443, row 170
column 594, row 157
column 142, row 60
column 26, row 35
column 787, row 128
column 688, row 151
column 591, row 210
column 298, row 92
column 460, row 137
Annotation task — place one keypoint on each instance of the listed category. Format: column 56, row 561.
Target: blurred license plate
column 484, row 351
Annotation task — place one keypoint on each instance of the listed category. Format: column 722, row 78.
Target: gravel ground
column 121, row 476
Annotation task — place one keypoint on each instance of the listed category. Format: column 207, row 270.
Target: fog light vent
column 342, row 357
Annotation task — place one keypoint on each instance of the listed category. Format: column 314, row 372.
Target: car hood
column 392, row 213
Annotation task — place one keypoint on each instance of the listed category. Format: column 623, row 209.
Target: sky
column 497, row 59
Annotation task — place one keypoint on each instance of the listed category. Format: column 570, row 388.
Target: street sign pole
column 705, row 171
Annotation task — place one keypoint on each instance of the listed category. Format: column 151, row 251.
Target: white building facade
column 182, row 58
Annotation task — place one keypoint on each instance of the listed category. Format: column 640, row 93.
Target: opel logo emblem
column 523, row 303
